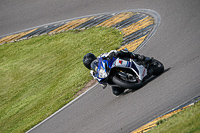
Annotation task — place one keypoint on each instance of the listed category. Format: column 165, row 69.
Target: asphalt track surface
column 175, row 43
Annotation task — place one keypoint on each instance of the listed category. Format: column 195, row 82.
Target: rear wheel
column 157, row 67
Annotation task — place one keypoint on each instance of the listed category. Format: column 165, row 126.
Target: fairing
column 104, row 67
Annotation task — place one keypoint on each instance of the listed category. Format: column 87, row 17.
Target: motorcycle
column 126, row 73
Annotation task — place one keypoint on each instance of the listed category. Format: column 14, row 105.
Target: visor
column 94, row 65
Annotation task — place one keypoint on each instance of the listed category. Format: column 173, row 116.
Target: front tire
column 124, row 84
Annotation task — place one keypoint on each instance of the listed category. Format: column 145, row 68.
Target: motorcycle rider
column 91, row 62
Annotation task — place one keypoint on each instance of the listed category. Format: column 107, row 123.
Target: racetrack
column 175, row 43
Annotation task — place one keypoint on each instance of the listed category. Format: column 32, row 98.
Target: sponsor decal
column 143, row 73
column 120, row 61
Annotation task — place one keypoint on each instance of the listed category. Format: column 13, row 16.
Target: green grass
column 187, row 121
column 40, row 75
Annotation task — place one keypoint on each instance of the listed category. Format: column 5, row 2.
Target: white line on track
column 61, row 109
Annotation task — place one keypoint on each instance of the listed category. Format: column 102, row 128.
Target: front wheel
column 122, row 83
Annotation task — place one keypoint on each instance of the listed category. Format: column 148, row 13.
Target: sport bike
column 126, row 73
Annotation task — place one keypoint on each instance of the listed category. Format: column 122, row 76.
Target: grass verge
column 187, row 121
column 40, row 75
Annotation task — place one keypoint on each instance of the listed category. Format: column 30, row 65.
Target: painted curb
column 137, row 26
column 147, row 127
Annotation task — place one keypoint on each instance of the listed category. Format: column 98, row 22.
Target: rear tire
column 157, row 67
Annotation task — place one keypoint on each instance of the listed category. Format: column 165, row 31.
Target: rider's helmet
column 88, row 59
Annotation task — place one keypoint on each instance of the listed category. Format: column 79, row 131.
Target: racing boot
column 148, row 60
column 117, row 90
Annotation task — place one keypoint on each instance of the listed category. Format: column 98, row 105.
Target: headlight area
column 102, row 73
